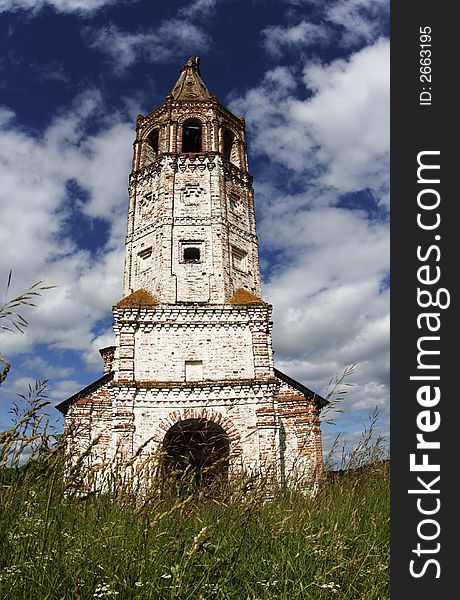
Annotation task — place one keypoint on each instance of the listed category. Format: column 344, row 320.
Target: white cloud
column 176, row 37
column 338, row 136
column 277, row 37
column 327, row 134
column 64, row 388
column 349, row 23
column 6, row 116
column 62, row 6
column 38, row 212
column 198, row 8
column 349, row 118
column 37, row 363
column 361, row 19
column 92, row 357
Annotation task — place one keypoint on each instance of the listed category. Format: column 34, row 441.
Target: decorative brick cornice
column 194, row 313
column 198, row 385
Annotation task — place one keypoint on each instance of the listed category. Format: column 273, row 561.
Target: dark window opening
column 152, row 139
column 191, row 136
column 192, row 254
column 228, row 143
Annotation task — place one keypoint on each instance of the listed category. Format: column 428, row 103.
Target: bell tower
column 191, row 227
column 191, row 381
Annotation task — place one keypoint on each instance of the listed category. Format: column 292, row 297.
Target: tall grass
column 55, row 544
column 209, row 544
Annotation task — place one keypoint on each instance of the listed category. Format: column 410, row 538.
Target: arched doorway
column 196, row 451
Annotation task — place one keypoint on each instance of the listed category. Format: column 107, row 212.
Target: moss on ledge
column 242, row 296
column 138, row 299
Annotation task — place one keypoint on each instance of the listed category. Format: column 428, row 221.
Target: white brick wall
column 234, row 342
column 161, row 352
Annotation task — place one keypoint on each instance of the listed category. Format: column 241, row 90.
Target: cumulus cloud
column 278, row 38
column 339, row 134
column 181, row 35
column 349, row 23
column 362, row 20
column 326, row 133
column 349, row 117
column 40, row 215
column 199, row 8
column 172, row 38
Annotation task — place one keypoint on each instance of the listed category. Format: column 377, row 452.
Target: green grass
column 54, row 545
column 236, row 545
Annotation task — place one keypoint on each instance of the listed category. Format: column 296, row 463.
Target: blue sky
column 311, row 78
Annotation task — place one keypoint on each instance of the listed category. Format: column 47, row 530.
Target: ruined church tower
column 191, row 381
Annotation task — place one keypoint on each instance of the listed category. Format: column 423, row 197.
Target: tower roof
column 190, row 86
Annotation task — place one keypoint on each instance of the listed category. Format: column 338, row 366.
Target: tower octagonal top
column 191, row 120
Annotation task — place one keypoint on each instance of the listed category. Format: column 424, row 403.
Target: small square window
column 193, row 370
column 192, row 254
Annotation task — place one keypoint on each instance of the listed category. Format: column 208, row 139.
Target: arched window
column 152, row 140
column 228, row 143
column 191, row 136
